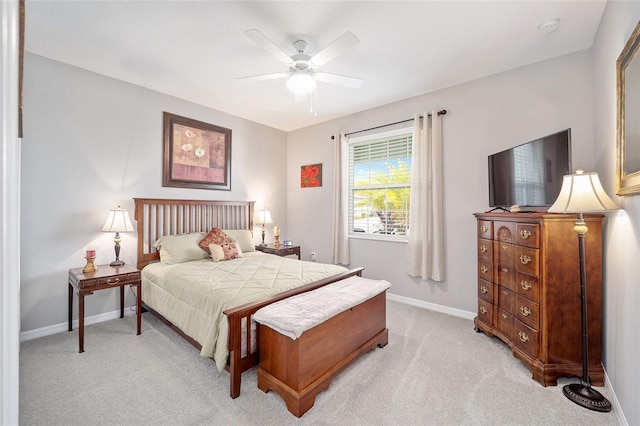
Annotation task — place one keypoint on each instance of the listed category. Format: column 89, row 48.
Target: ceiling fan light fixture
column 301, row 83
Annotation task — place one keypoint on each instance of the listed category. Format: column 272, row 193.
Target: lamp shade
column 263, row 216
column 118, row 221
column 582, row 193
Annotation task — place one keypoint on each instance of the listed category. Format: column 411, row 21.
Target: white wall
column 484, row 116
column 91, row 143
column 622, row 231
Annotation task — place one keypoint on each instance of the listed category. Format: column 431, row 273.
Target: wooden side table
column 282, row 250
column 105, row 277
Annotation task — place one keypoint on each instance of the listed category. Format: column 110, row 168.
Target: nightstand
column 105, row 277
column 280, row 251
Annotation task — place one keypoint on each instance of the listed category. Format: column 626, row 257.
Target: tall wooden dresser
column 529, row 291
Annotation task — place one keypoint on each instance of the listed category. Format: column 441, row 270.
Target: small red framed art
column 311, row 176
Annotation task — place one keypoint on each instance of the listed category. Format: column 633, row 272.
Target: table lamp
column 583, row 193
column 117, row 221
column 263, row 217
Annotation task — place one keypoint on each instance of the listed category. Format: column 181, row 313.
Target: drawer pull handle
column 505, row 247
column 483, row 248
column 505, row 292
column 523, row 336
column 484, row 269
column 504, row 316
column 525, row 311
column 484, row 290
column 525, row 285
column 483, row 310
column 525, row 234
column 524, row 259
column 483, row 229
column 505, row 270
column 114, row 281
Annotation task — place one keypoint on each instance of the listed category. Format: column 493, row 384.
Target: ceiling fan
column 302, row 69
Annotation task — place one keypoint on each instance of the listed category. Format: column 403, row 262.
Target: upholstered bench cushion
column 294, row 315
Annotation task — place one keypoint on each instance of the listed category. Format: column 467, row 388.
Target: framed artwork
column 628, row 117
column 196, row 154
column 311, row 175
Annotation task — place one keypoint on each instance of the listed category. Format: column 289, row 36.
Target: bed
column 224, row 314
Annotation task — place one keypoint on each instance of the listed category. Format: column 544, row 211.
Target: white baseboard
column 617, row 409
column 64, row 326
column 432, row 306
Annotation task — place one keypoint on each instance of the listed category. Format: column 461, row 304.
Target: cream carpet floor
column 436, row 370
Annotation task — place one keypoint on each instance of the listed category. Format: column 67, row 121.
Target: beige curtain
column 340, row 200
column 425, row 251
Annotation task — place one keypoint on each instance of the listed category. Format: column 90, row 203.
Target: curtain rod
column 441, row 112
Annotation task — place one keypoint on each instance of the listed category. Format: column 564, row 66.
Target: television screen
column 530, row 174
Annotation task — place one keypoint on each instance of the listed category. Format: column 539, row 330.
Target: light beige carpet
column 436, row 370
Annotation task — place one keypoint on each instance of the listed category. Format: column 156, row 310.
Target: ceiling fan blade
column 269, row 46
column 342, row 80
column 262, row 77
column 339, row 45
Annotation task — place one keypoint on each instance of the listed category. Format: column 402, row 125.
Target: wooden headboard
column 159, row 217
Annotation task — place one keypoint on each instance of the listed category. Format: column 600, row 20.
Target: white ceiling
column 195, row 50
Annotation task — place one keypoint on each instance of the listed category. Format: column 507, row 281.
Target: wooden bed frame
column 158, row 217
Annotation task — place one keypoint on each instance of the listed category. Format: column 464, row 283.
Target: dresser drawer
column 504, row 231
column 485, row 229
column 527, row 261
column 505, row 276
column 504, row 324
column 485, row 270
column 485, row 312
column 526, row 339
column 505, row 299
column 109, row 280
column 528, row 312
column 485, row 249
column 485, row 290
column 528, row 235
column 504, row 253
column 528, row 286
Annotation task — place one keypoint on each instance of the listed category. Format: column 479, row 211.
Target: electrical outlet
column 312, row 258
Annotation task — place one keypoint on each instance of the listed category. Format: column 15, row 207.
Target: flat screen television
column 530, row 175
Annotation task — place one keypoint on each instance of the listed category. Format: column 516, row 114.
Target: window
column 380, row 185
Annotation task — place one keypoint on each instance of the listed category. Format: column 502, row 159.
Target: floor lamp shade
column 117, row 221
column 583, row 193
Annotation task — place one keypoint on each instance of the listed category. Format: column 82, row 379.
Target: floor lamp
column 583, row 193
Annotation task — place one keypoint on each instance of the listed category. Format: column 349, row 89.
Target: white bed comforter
column 193, row 295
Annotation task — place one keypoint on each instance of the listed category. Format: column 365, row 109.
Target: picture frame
column 628, row 117
column 195, row 154
column 311, row 176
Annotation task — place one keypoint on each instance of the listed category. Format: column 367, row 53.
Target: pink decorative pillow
column 225, row 251
column 215, row 236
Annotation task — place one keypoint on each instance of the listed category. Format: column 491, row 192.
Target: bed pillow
column 243, row 237
column 225, row 251
column 215, row 236
column 180, row 248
